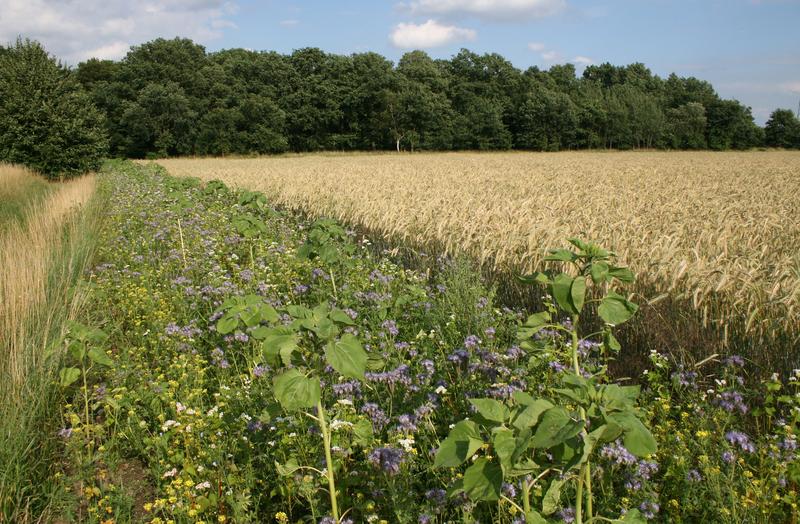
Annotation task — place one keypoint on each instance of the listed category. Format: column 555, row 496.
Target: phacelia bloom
column 387, row 459
column 618, row 454
column 399, row 375
column 731, row 401
column 509, row 490
column 489, row 332
column 246, row 275
column 424, row 519
column 734, row 361
column 694, row 476
column 686, row 379
column 567, row 515
column 391, row 327
column 259, row 371
column 349, row 389
column 728, row 457
column 471, row 342
column 482, row 302
column 436, row 496
column 737, row 438
column 65, row 433
column 406, row 424
column 376, row 415
column 649, row 509
column 458, row 356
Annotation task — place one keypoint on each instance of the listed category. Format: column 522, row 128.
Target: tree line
column 172, row 97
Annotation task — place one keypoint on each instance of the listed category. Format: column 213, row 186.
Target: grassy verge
column 43, row 254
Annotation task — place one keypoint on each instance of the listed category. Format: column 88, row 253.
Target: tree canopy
column 47, row 120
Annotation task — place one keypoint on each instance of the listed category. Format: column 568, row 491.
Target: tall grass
column 19, row 189
column 714, row 236
column 41, row 260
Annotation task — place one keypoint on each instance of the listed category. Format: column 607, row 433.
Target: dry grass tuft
column 719, row 230
column 27, row 250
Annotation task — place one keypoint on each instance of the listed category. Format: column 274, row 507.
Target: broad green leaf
column 580, row 244
column 534, row 517
column 483, row 480
column 636, row 437
column 562, row 286
column 611, row 342
column 462, row 442
column 578, row 292
column 561, row 255
column 362, row 433
column 616, row 309
column 490, row 409
column 296, row 391
column 550, row 501
column 98, row 356
column 268, row 313
column 555, row 427
column 69, row 376
column 504, row 445
column 288, row 468
column 529, row 415
column 227, row 324
column 633, row 516
column 534, row 324
column 337, row 315
column 296, row 311
column 534, row 278
column 347, row 356
column 599, row 272
column 623, row 274
column 279, row 342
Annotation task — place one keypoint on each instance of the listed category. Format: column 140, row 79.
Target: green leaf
column 490, row 409
column 578, row 292
column 98, row 356
column 533, row 325
column 69, row 376
column 550, row 501
column 337, row 315
column 623, row 274
column 504, row 445
column 561, row 255
column 362, row 431
column 611, row 341
column 633, row 516
column 534, row 517
column 562, row 286
column 530, row 413
column 288, row 468
column 296, row 391
column 534, row 278
column 599, row 272
column 636, row 437
column 616, row 309
column 483, row 480
column 279, row 342
column 555, row 427
column 227, row 324
column 462, row 442
column 347, row 356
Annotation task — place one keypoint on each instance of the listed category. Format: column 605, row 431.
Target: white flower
column 203, row 485
column 337, row 424
column 441, row 390
column 345, row 402
column 169, row 424
column 407, row 443
column 170, row 473
column 180, row 407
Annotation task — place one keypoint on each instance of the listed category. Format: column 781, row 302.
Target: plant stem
column 526, row 497
column 333, row 282
column 183, row 247
column 326, row 440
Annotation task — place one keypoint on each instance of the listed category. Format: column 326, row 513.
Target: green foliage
column 782, row 130
column 47, row 121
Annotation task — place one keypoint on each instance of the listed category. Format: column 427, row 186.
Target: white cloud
column 429, row 34
column 537, row 47
column 551, row 56
column 790, row 87
column 505, row 10
column 77, row 30
column 582, row 60
column 289, row 23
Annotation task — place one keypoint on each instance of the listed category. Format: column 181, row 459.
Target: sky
column 748, row 49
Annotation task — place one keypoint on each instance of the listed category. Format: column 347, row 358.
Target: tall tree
column 47, row 120
column 782, row 129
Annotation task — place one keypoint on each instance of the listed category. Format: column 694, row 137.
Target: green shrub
column 47, row 121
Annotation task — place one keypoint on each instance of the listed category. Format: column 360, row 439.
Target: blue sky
column 749, row 49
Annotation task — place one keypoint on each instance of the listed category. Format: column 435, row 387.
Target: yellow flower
column 281, row 517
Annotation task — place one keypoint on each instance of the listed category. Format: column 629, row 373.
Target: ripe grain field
column 717, row 231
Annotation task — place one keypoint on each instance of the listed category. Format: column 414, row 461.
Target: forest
column 172, row 98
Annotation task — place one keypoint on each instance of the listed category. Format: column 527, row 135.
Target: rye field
column 715, row 234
